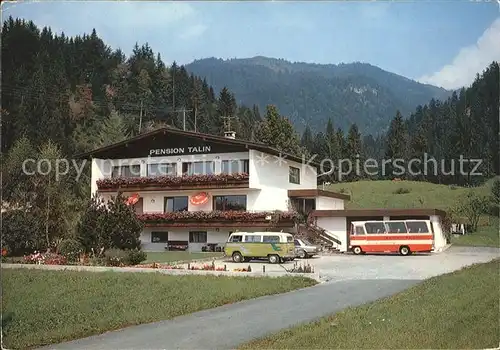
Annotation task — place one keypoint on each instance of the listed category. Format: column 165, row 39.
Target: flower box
column 215, row 216
column 170, row 181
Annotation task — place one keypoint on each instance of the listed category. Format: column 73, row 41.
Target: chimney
column 230, row 135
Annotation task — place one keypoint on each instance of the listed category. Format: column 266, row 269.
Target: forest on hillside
column 80, row 94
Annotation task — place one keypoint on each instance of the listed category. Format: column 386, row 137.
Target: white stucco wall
column 439, row 234
column 327, row 203
column 272, row 179
column 182, row 234
column 336, row 226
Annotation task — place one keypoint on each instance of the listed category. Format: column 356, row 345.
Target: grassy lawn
column 486, row 236
column 454, row 311
column 381, row 194
column 45, row 307
column 165, row 257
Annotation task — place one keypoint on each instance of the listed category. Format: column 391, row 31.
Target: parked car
column 305, row 249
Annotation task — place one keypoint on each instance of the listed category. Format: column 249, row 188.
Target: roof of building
column 315, row 192
column 139, row 146
column 378, row 212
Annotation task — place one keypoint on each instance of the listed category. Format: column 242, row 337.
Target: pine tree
column 397, row 146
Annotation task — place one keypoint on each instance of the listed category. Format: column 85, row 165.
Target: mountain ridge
column 311, row 93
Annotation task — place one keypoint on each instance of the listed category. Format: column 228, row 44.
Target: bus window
column 359, row 230
column 396, row 227
column 253, row 238
column 375, row 227
column 417, row 227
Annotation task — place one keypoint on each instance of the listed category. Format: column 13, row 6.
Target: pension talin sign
column 180, row 150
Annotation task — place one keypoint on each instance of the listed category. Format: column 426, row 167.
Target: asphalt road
column 228, row 326
column 354, row 280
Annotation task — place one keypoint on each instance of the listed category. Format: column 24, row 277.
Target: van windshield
column 289, row 238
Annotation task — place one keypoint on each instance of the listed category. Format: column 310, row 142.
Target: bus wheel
column 357, row 250
column 274, row 259
column 404, row 250
column 237, row 257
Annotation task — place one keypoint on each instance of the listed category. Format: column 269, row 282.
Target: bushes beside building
column 111, row 225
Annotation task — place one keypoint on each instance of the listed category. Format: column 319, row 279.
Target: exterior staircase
column 319, row 236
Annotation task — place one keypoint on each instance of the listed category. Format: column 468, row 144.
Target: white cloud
column 193, row 31
column 469, row 61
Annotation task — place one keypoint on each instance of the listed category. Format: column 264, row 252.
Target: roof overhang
column 141, row 145
column 378, row 212
column 314, row 192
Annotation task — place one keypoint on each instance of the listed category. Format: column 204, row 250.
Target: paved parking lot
column 414, row 267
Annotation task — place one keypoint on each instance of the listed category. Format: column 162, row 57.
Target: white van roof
column 261, row 233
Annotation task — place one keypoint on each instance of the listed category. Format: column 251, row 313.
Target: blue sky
column 440, row 42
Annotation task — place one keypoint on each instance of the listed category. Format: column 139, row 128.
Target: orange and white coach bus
column 403, row 236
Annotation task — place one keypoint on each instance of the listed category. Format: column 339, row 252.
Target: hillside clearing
column 383, row 194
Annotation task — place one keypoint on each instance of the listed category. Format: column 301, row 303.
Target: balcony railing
column 240, row 180
column 219, row 218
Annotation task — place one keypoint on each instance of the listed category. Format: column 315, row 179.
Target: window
column 159, row 237
column 253, row 238
column 126, row 171
column 234, row 166
column 296, row 242
column 224, row 203
column 271, row 239
column 236, row 239
column 359, row 230
column 175, row 204
column 162, row 169
column 396, row 227
column 417, row 227
column 289, row 239
column 294, row 176
column 375, row 227
column 198, row 237
column 198, row 168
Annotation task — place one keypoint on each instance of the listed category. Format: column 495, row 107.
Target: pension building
column 191, row 190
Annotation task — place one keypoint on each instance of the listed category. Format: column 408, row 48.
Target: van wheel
column 302, row 254
column 357, row 250
column 404, row 250
column 237, row 257
column 274, row 259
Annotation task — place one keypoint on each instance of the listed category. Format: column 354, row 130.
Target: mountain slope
column 311, row 93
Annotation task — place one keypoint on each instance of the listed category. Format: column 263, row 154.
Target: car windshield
column 306, row 242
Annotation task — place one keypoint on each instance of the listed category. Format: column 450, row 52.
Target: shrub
column 21, row 233
column 116, row 257
column 136, row 256
column 113, row 226
column 402, row 190
column 71, row 249
column 472, row 206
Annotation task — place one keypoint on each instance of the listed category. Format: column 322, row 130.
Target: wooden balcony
column 220, row 219
column 171, row 182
